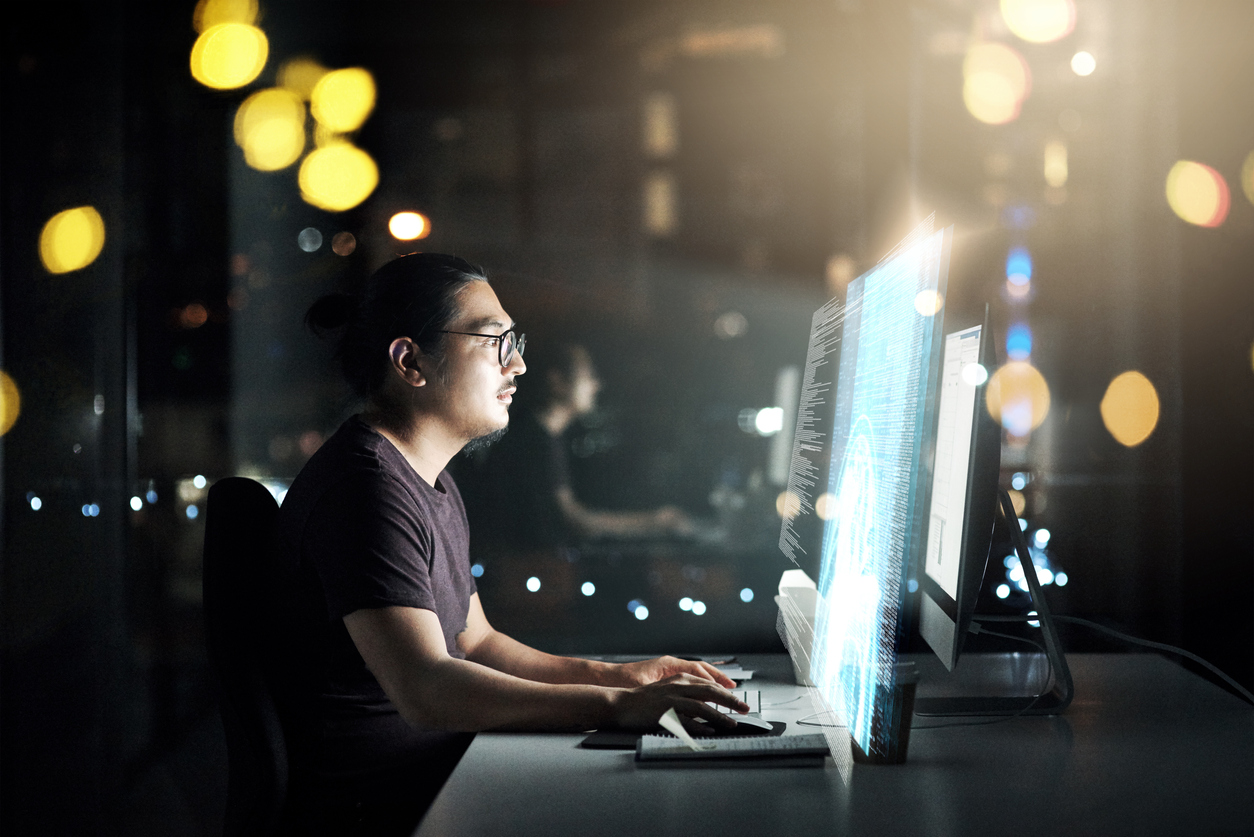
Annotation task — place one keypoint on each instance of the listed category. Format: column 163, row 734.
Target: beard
column 486, row 440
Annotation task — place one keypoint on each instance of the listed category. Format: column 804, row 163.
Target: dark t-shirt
column 360, row 529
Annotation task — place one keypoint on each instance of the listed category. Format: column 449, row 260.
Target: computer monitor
column 963, row 504
column 889, row 351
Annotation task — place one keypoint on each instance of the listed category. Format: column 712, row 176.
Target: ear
column 406, row 361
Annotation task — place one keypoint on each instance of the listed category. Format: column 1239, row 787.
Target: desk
column 1146, row 748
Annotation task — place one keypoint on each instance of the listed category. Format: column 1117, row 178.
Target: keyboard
column 666, row 747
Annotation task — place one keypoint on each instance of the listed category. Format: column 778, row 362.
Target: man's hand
column 690, row 696
column 661, row 668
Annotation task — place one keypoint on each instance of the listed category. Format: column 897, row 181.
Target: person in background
column 531, row 462
column 385, row 656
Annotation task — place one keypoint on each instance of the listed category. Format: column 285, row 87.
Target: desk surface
column 1146, row 748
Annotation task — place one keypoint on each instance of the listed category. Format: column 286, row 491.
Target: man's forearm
column 467, row 696
column 504, row 653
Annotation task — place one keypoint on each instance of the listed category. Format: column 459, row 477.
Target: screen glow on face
column 877, row 435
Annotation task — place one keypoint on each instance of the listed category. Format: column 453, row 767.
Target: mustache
column 508, row 386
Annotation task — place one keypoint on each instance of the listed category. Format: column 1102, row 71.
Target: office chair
column 239, row 521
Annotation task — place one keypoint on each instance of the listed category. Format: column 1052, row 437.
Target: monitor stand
column 1061, row 690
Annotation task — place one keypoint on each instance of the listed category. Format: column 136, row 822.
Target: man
column 388, row 653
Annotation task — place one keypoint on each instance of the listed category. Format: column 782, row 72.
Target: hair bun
column 331, row 312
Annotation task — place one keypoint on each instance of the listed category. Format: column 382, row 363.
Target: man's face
column 470, row 390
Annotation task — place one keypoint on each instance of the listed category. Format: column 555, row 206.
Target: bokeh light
column 1017, row 397
column 1018, row 501
column 71, row 239
column 337, row 177
column 270, row 127
column 193, row 316
column 1083, row 63
column 928, row 302
column 826, row 506
column 1039, row 21
column 996, row 80
column 1019, row 342
column 210, row 13
column 408, row 226
column 301, row 75
column 787, row 504
column 1247, row 177
column 229, row 55
column 1019, row 266
column 10, row 405
column 1130, row 408
column 1197, row 193
column 343, row 243
column 974, row 374
column 1056, row 163
column 342, row 99
column 309, row 239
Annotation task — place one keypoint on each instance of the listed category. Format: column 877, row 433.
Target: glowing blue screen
column 886, row 356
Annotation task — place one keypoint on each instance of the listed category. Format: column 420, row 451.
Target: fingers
column 688, row 708
column 717, row 676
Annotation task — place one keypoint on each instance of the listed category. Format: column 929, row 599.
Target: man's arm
column 667, row 520
column 404, row 649
column 485, row 645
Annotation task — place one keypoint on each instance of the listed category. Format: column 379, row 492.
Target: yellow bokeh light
column 1056, row 164
column 342, row 99
column 928, row 302
column 1039, row 21
column 1247, row 177
column 10, row 402
column 1017, row 500
column 1017, row 397
column 211, row 13
column 1083, row 63
column 407, row 226
column 1197, row 193
column 301, row 75
column 787, row 504
column 337, row 177
column 996, row 80
column 270, row 127
column 72, row 239
column 229, row 55
column 1130, row 408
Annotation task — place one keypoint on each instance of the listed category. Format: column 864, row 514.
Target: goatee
column 481, row 442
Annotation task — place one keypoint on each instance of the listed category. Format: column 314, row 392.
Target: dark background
column 516, row 127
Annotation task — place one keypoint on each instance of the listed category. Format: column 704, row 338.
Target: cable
column 1158, row 646
column 782, row 702
column 806, row 722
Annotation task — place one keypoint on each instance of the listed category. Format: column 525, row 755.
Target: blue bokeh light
column 1019, row 266
column 1019, row 342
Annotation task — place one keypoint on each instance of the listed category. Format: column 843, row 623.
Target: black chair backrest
column 238, row 580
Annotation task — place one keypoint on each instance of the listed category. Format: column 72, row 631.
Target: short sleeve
column 370, row 546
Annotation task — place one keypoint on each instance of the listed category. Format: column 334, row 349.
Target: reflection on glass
column 342, row 99
column 1130, row 408
column 229, row 55
column 338, row 177
column 71, row 239
column 1039, row 21
column 1018, row 397
column 1197, row 193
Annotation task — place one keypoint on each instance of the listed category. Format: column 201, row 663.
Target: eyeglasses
column 506, row 343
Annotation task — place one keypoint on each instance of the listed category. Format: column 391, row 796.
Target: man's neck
column 423, row 444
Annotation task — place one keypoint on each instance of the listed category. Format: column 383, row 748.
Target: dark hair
column 414, row 296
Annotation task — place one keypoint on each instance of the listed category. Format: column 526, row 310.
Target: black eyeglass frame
column 500, row 343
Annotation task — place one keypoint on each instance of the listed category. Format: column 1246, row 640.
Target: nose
column 516, row 364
